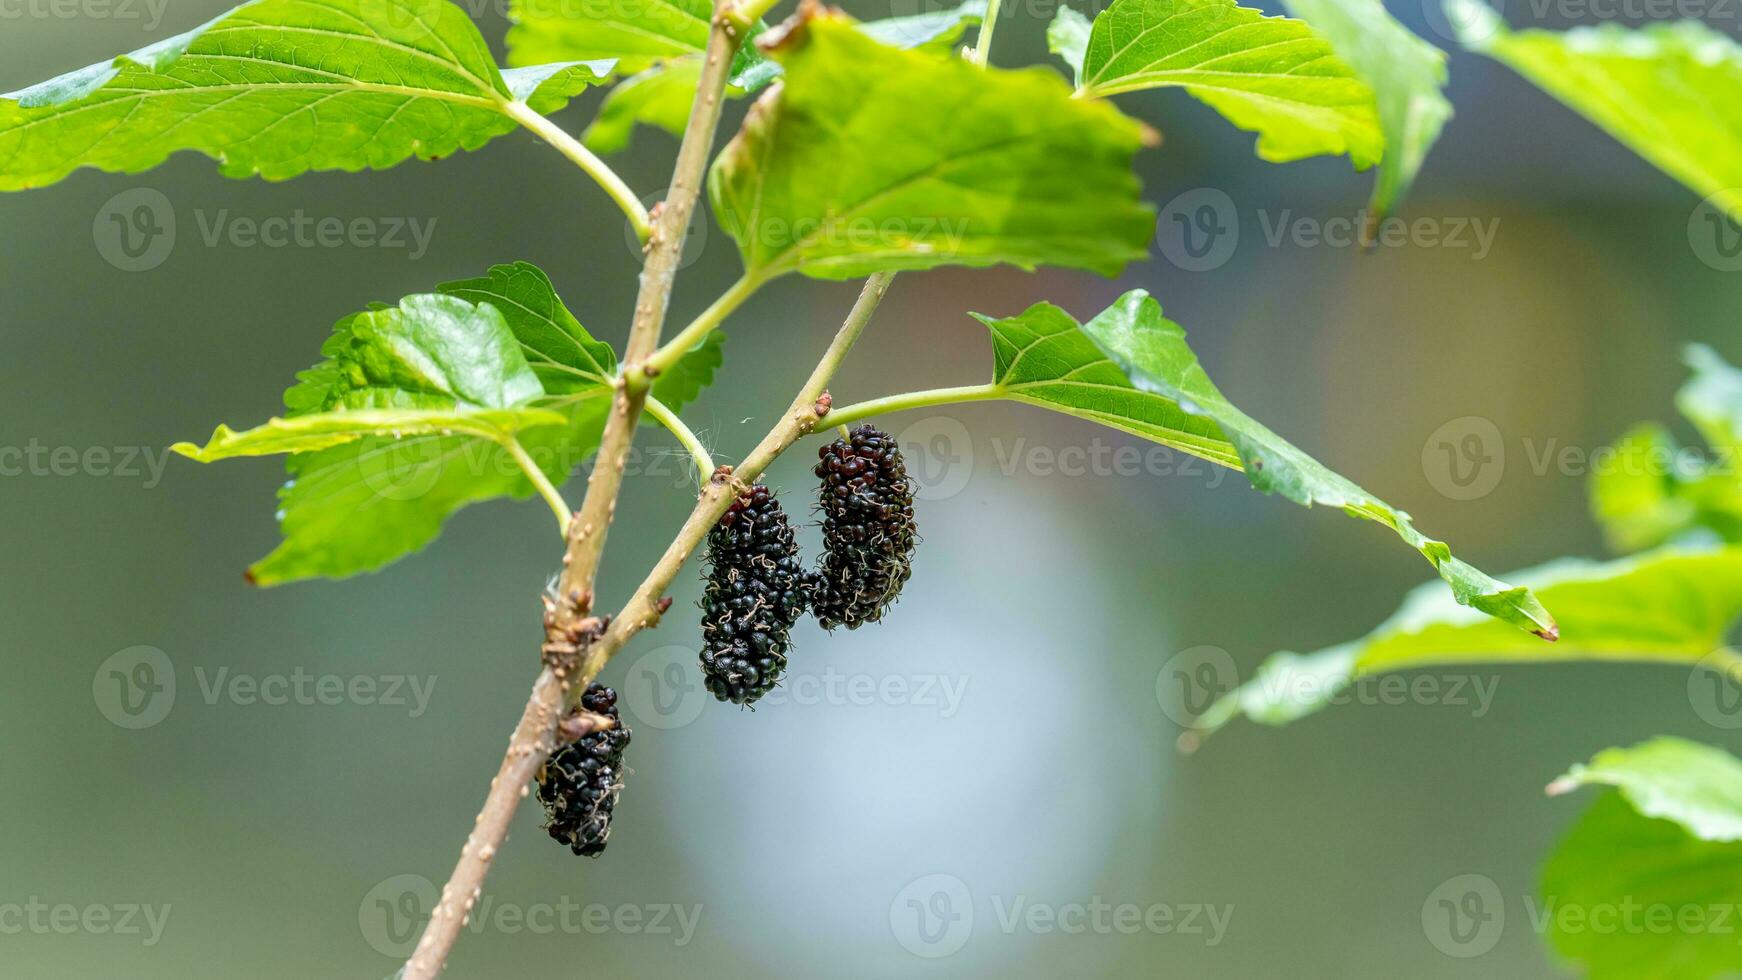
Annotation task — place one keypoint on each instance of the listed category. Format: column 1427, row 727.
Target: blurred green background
column 1009, row 727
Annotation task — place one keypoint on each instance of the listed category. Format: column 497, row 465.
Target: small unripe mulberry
column 868, row 529
column 756, row 590
column 579, row 783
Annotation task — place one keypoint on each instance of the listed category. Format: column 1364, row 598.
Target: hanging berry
column 868, row 529
column 579, row 783
column 756, row 590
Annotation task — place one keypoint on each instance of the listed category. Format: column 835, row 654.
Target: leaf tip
column 1561, row 786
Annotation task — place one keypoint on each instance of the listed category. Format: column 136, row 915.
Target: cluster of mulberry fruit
column 579, row 783
column 869, row 533
column 756, row 591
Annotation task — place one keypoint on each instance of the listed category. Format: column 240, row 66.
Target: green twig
column 540, row 482
column 664, row 358
column 914, row 399
column 584, row 158
column 668, row 418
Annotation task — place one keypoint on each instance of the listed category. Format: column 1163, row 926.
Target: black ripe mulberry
column 868, row 530
column 579, row 783
column 756, row 590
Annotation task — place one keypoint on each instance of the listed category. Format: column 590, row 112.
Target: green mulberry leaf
column 279, row 88
column 1130, row 368
column 1666, row 91
column 1649, row 873
column 1668, row 606
column 661, row 95
column 1408, row 76
column 870, row 158
column 412, row 414
column 1271, row 75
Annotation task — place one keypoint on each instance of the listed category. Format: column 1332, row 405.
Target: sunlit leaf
column 1667, row 90
column 871, row 158
column 411, row 416
column 1130, row 368
column 661, row 95
column 1271, row 75
column 1671, row 606
column 281, row 87
column 1408, row 76
column 1647, row 885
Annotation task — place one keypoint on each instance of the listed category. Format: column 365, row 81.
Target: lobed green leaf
column 1667, row 606
column 1644, row 886
column 1130, row 368
column 1664, row 90
column 661, row 95
column 279, row 88
column 1270, row 75
column 410, row 418
column 870, row 158
column 1408, row 76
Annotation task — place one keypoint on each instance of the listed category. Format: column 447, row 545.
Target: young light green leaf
column 1408, row 76
column 307, row 433
column 562, row 353
column 1712, row 399
column 1270, row 75
column 1652, row 490
column 409, row 417
column 1628, row 897
column 278, row 88
column 1042, row 357
column 870, row 158
column 636, row 34
column 1152, row 352
column 1666, row 90
column 661, row 95
column 1130, row 368
column 1697, row 786
column 934, row 31
column 1068, row 37
column 363, row 505
column 1665, row 849
column 1668, row 606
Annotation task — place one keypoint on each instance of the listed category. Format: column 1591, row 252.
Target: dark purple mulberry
column 756, row 590
column 579, row 783
column 868, row 529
